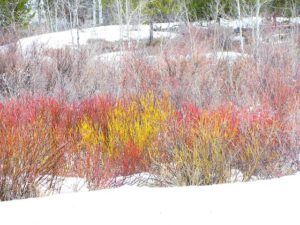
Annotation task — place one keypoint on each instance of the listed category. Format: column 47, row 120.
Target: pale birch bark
column 238, row 5
column 94, row 13
column 100, row 12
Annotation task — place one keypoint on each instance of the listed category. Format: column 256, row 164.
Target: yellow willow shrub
column 138, row 122
column 201, row 155
column 203, row 164
column 89, row 157
column 217, row 125
column 90, row 134
column 122, row 144
column 259, row 149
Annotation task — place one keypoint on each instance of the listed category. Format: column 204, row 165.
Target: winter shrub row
column 102, row 138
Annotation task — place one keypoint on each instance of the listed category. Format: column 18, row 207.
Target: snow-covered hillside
column 115, row 33
column 261, row 202
column 111, row 33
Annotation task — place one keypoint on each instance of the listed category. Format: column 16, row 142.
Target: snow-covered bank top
column 248, row 22
column 230, row 56
column 244, row 22
column 262, row 202
column 111, row 33
column 114, row 33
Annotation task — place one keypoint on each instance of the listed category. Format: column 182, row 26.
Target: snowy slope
column 114, row 33
column 111, row 33
column 261, row 202
column 250, row 22
column 225, row 55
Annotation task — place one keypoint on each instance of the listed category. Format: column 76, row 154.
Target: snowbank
column 261, row 202
column 249, row 22
column 112, row 57
column 226, row 55
column 111, row 33
column 246, row 22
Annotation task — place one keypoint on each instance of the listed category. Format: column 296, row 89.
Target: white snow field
column 261, row 202
column 112, row 33
column 229, row 56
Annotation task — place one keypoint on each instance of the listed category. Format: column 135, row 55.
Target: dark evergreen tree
column 14, row 13
column 206, row 8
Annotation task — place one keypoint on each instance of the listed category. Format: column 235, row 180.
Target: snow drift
column 261, row 202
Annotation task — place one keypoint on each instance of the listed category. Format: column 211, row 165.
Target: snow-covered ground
column 226, row 55
column 111, row 33
column 67, row 185
column 112, row 57
column 295, row 20
column 244, row 22
column 250, row 22
column 115, row 33
column 261, row 202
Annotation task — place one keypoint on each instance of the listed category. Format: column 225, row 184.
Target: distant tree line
column 62, row 14
column 14, row 12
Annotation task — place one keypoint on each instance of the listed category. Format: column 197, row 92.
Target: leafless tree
column 97, row 9
column 238, row 7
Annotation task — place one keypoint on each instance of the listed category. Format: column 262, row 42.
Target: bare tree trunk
column 127, row 15
column 94, row 13
column 151, row 32
column 187, row 21
column 49, row 16
column 216, row 8
column 100, row 12
column 119, row 15
column 294, row 41
column 39, row 11
column 257, row 36
column 70, row 14
column 140, row 12
column 71, row 20
column 257, row 12
column 13, row 18
column 240, row 24
column 56, row 15
column 63, row 16
column 120, row 18
column 257, row 28
column 76, row 17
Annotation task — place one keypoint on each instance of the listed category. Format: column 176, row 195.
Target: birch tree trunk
column 119, row 8
column 70, row 15
column 39, row 11
column 257, row 36
column 216, row 8
column 127, row 15
column 49, row 16
column 294, row 40
column 257, row 12
column 240, row 24
column 56, row 16
column 76, row 17
column 151, row 32
column 94, row 13
column 100, row 12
